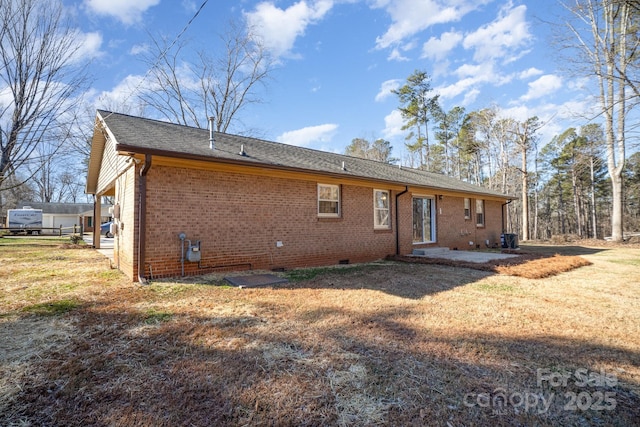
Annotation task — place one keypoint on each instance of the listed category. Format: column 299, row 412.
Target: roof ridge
column 248, row 137
column 182, row 141
column 111, row 113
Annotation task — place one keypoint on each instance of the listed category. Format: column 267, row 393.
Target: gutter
column 142, row 218
column 406, row 190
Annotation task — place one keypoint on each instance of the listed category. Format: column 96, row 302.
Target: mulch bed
column 527, row 265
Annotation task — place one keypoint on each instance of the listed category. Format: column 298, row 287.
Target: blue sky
column 339, row 60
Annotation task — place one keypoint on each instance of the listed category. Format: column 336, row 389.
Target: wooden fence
column 52, row 231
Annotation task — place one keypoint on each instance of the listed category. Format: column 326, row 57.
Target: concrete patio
column 468, row 256
column 106, row 244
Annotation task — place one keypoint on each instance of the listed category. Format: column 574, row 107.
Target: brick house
column 248, row 203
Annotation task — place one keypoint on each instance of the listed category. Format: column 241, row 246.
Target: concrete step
column 432, row 252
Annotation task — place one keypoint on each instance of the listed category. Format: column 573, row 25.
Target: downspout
column 504, row 225
column 406, row 190
column 142, row 218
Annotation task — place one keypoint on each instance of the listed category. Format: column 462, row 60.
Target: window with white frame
column 480, row 212
column 424, row 220
column 381, row 209
column 467, row 208
column 328, row 200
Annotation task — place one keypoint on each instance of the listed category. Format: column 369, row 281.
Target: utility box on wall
column 193, row 252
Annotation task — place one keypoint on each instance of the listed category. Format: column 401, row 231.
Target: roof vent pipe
column 211, row 141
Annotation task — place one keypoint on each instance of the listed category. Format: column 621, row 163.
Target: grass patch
column 33, row 241
column 153, row 316
column 167, row 288
column 496, row 288
column 110, row 274
column 632, row 262
column 54, row 308
column 302, row 274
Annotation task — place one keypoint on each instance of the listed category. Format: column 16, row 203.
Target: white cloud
column 121, row 95
column 138, row 49
column 507, row 33
column 530, row 72
column 386, row 87
column 409, row 17
column 545, row 85
column 6, row 97
column 393, row 124
column 395, row 55
column 189, row 5
column 580, row 84
column 581, row 109
column 438, row 48
column 518, row 112
column 469, row 70
column 470, row 97
column 309, row 135
column 126, row 11
column 455, row 89
column 440, row 69
column 470, row 76
column 89, row 45
column 279, row 28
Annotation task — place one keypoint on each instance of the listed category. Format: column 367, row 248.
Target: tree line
column 563, row 184
column 581, row 182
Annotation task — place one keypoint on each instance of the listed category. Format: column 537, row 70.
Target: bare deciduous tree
column 605, row 33
column 525, row 140
column 189, row 90
column 41, row 75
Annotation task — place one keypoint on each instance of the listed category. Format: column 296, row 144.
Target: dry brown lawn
column 387, row 343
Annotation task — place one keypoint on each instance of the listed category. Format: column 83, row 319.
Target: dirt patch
column 74, row 246
column 23, row 341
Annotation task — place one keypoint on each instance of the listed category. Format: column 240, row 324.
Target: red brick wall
column 239, row 219
column 452, row 229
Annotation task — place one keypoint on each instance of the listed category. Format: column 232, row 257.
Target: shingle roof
column 141, row 135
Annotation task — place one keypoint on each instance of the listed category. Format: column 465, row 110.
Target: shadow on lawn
column 550, row 250
column 406, row 280
column 275, row 367
column 417, row 277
